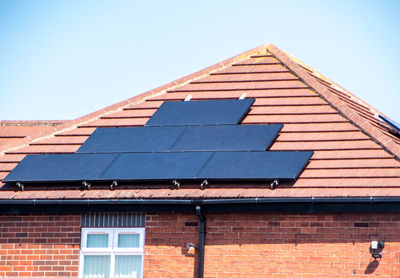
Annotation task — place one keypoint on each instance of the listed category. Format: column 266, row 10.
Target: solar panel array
column 182, row 141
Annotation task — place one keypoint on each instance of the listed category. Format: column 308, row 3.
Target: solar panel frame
column 283, row 165
column 60, row 167
column 181, row 138
column 156, row 166
column 227, row 138
column 131, row 139
column 204, row 112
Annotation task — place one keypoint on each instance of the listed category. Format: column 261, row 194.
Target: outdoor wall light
column 191, row 249
column 376, row 249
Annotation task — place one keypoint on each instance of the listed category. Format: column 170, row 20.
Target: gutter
column 227, row 205
column 197, row 201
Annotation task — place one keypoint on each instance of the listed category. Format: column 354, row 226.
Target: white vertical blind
column 96, row 266
column 128, row 266
column 128, row 240
column 97, row 240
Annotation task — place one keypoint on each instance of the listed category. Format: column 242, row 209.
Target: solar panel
column 200, row 112
column 156, row 166
column 60, row 167
column 131, row 139
column 394, row 124
column 255, row 165
column 180, row 138
column 227, row 138
column 160, row 166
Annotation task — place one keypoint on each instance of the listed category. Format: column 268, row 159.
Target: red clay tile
column 290, row 84
column 248, row 77
column 326, row 145
column 348, row 182
column 252, row 69
column 258, row 60
column 7, row 167
column 292, row 101
column 321, row 136
column 352, row 173
column 349, row 154
column 353, row 163
column 319, row 118
column 80, row 131
column 292, row 110
column 62, row 140
column 138, row 113
column 45, row 149
column 117, row 122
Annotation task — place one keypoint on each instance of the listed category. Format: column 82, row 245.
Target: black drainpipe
column 201, row 241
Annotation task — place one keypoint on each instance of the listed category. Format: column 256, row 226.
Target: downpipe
column 202, row 237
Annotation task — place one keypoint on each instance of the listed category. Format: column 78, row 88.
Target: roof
column 355, row 154
column 15, row 133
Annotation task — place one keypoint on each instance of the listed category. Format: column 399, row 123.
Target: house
column 327, row 205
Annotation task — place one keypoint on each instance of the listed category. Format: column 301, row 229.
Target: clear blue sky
column 65, row 59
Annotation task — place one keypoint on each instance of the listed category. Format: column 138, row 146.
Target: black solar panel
column 227, row 138
column 160, row 166
column 180, row 138
column 200, row 112
column 131, row 139
column 156, row 166
column 60, row 167
column 255, row 165
column 188, row 140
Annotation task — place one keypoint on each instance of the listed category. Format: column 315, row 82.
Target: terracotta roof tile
column 354, row 153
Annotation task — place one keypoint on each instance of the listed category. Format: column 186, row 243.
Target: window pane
column 128, row 240
column 96, row 266
column 97, row 240
column 128, row 266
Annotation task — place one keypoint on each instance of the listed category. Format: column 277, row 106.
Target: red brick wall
column 39, row 245
column 275, row 245
column 165, row 245
column 237, row 245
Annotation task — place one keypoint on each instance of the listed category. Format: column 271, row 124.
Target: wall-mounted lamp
column 376, row 249
column 191, row 249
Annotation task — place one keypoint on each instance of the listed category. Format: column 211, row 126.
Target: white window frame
column 112, row 249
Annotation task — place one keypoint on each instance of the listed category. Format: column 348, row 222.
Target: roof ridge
column 32, row 122
column 342, row 107
column 72, row 124
column 335, row 85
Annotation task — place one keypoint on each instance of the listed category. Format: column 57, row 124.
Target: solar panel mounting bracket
column 86, row 185
column 113, row 185
column 274, row 184
column 20, row 186
column 203, row 184
column 177, row 184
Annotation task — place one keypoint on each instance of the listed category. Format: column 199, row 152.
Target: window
column 112, row 253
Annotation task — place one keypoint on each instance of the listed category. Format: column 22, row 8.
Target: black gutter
column 202, row 238
column 297, row 205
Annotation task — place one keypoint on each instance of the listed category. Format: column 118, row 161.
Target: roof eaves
column 72, row 124
column 373, row 132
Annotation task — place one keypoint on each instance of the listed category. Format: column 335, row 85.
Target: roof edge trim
column 371, row 131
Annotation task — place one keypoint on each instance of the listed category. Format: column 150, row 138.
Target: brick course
column 275, row 245
column 39, row 245
column 237, row 245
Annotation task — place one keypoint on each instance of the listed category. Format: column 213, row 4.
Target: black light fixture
column 376, row 249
